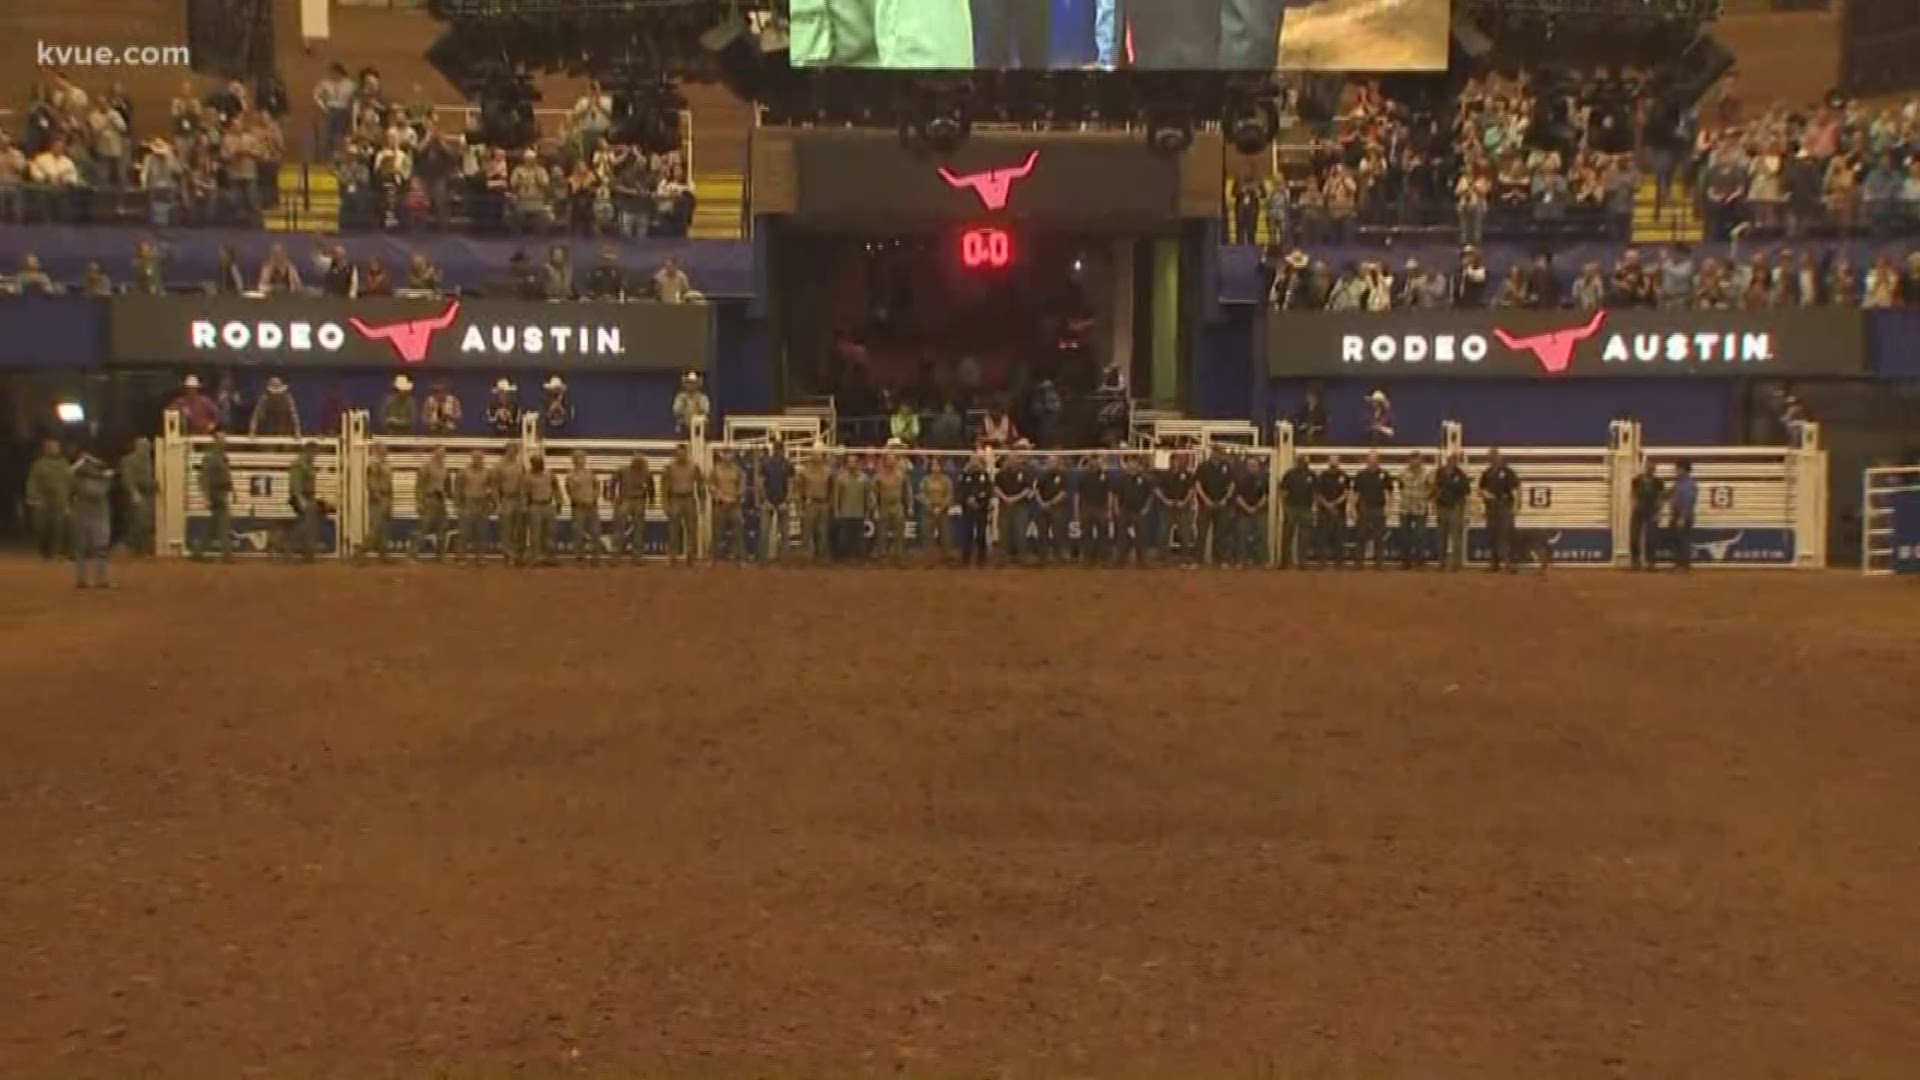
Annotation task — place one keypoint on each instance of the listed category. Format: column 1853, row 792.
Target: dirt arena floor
column 277, row 822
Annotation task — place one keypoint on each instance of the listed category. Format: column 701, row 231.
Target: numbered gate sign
column 1540, row 498
column 1720, row 497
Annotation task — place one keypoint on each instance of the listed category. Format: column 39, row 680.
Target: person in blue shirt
column 1681, row 501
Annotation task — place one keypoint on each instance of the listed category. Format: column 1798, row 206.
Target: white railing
column 1890, row 521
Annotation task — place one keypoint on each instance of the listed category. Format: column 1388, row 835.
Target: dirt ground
column 266, row 821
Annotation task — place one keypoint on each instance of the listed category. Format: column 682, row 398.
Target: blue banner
column 1893, row 342
column 1906, row 529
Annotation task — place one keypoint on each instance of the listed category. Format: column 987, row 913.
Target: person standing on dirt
column 633, row 494
column 1013, row 495
column 1451, row 486
column 92, row 507
column 1500, row 489
column 216, row 489
column 1178, row 497
column 1297, row 541
column 543, row 511
column 684, row 484
column 1250, row 512
column 473, row 494
column 816, row 490
column 1093, row 506
column 303, row 482
column 49, row 491
column 431, row 486
column 890, row 490
column 776, row 494
column 1370, row 488
column 1135, row 496
column 1332, row 495
column 583, row 504
column 509, row 482
column 853, row 506
column 976, row 500
column 1416, row 501
column 936, row 502
column 729, row 522
column 1649, row 495
column 136, row 483
column 1052, row 511
column 1214, row 539
column 1682, row 501
column 379, row 502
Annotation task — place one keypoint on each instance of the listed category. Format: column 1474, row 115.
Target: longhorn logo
column 994, row 187
column 410, row 339
column 1554, row 350
column 1718, row 550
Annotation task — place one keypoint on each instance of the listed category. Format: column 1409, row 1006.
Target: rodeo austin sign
column 449, row 332
column 1566, row 344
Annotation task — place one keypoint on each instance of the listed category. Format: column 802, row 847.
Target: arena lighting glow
column 986, row 249
column 71, row 412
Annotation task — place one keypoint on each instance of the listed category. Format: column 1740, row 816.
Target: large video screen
column 1161, row 35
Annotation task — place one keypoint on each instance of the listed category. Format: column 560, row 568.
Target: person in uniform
column 1451, row 486
column 379, row 503
column 1298, row 488
column 49, row 498
column 776, row 492
column 1250, row 511
column 1683, row 500
column 474, row 496
column 397, row 413
column 1013, row 493
column 634, row 490
column 1649, row 495
column 510, row 497
column 431, row 488
column 816, row 492
column 976, row 501
column 936, row 502
column 729, row 525
column 1370, row 488
column 1052, row 511
column 852, row 506
column 92, row 510
column 136, row 484
column 684, row 485
column 1500, row 491
column 543, row 511
column 503, row 410
column 1134, row 497
column 891, row 488
column 1332, row 494
column 303, row 483
column 583, row 503
column 1178, row 498
column 216, row 489
column 1214, row 479
column 1416, row 502
column 1093, row 505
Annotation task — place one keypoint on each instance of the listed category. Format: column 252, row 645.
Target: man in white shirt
column 57, row 178
column 670, row 283
column 109, row 133
column 592, row 116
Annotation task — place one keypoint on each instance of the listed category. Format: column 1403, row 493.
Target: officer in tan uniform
column 729, row 529
column 816, row 489
column 430, row 491
column 543, row 509
column 473, row 495
column 379, row 503
column 891, row 485
column 936, row 502
column 510, row 496
column 583, row 502
column 635, row 493
column 683, row 484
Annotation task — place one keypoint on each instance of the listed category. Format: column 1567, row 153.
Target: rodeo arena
column 1081, row 538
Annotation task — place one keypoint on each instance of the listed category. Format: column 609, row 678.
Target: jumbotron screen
column 1161, row 35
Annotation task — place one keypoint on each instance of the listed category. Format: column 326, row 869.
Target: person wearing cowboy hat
column 557, row 413
column 689, row 404
column 440, row 414
column 198, row 414
column 1290, row 280
column 503, row 409
column 398, row 414
column 160, row 177
column 1380, row 430
column 275, row 414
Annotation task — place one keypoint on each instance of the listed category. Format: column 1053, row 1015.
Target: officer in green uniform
column 49, row 491
column 853, row 506
column 303, row 482
column 216, row 490
column 431, row 486
column 136, row 484
column 936, row 501
column 510, row 495
column 895, row 35
column 379, row 503
column 635, row 493
column 583, row 502
column 729, row 523
column 473, row 493
column 1052, row 511
column 891, row 485
column 683, row 484
column 543, row 509
column 1135, row 495
column 1093, row 504
column 816, row 488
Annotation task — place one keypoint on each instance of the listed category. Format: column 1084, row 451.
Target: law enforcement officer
column 776, row 495
column 1649, row 495
column 303, row 482
column 936, row 504
column 1093, row 505
column 1370, row 488
column 1332, row 496
column 379, row 503
column 1013, row 495
column 816, row 491
column 1500, row 490
column 1416, row 508
column 728, row 486
column 1134, row 496
column 853, row 505
column 1298, row 487
column 633, row 492
column 684, row 484
column 1178, row 496
column 216, row 489
column 890, row 490
column 1052, row 510
column 976, row 491
column 1214, row 480
column 49, row 493
column 1683, row 500
column 1451, row 486
column 1250, row 511
column 510, row 496
column 136, row 483
column 583, row 505
column 92, row 510
column 543, row 509
column 474, row 495
column 431, row 486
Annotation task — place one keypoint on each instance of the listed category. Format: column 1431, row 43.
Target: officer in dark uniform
column 1250, row 512
column 1134, row 495
column 1297, row 542
column 1178, row 494
column 1332, row 492
column 975, row 492
column 1052, row 510
column 1370, row 487
column 1451, row 486
column 1093, row 505
column 1013, row 490
column 1649, row 494
column 1215, row 538
column 1500, row 488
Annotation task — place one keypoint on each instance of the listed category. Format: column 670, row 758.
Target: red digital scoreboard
column 986, row 248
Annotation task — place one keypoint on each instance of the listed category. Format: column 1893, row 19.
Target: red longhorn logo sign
column 410, row 339
column 1554, row 350
column 993, row 187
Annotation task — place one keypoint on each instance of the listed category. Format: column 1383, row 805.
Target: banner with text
column 1513, row 343
column 432, row 333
